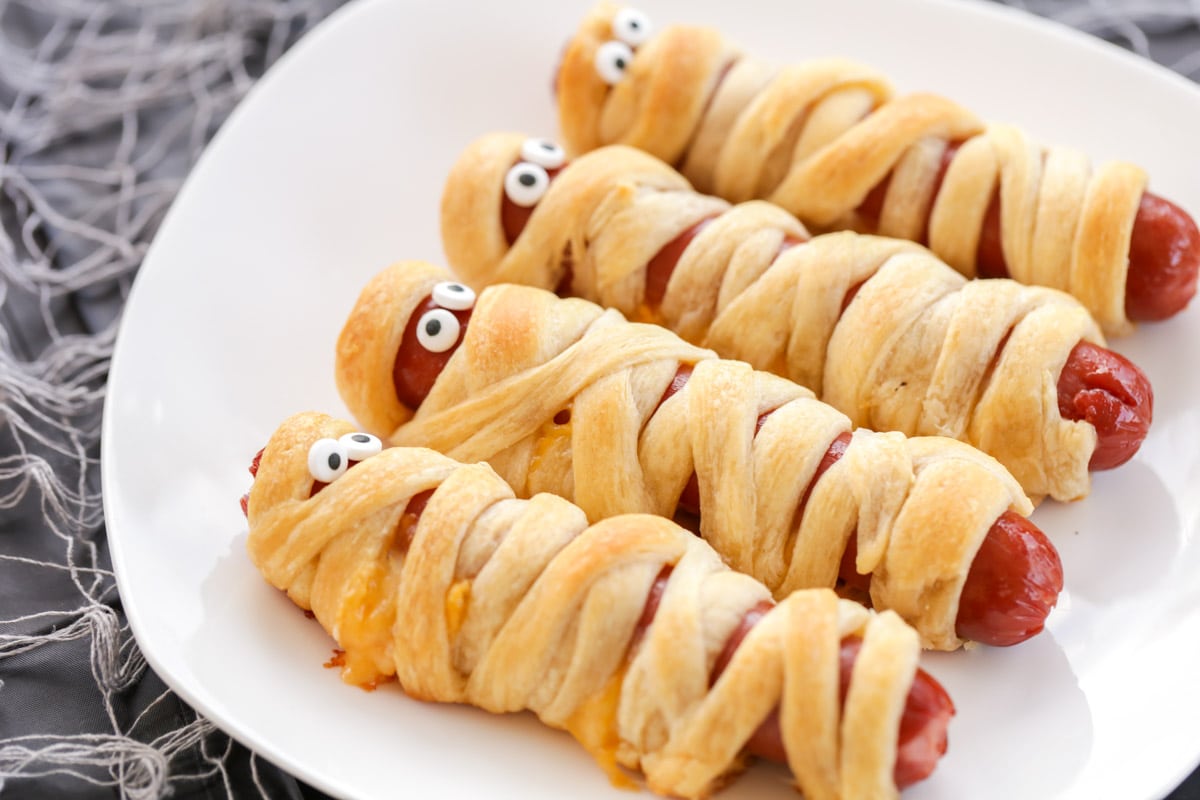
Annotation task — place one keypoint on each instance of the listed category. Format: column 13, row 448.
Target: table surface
column 104, row 107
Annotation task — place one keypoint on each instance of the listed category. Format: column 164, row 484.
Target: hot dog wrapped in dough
column 830, row 142
column 561, row 396
column 878, row 328
column 629, row 633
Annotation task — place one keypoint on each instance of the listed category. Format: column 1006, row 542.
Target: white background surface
column 333, row 168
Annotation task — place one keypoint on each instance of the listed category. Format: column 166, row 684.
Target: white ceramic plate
column 333, row 168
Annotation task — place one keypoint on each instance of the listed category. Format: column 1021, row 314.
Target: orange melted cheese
column 457, row 600
column 364, row 630
column 644, row 313
column 338, row 659
column 594, row 725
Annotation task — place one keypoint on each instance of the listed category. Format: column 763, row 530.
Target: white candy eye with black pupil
column 612, row 59
column 360, row 446
column 454, row 296
column 543, row 152
column 525, row 184
column 327, row 460
column 438, row 330
column 631, row 26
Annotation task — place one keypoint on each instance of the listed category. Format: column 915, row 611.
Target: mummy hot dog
column 827, row 141
column 431, row 571
column 561, row 396
column 920, row 349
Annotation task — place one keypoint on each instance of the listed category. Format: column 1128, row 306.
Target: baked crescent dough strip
column 920, row 350
column 816, row 137
column 527, row 355
column 513, row 604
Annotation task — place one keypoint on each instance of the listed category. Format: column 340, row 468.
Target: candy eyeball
column 612, row 59
column 631, row 26
column 543, row 152
column 360, row 446
column 525, row 184
column 454, row 296
column 438, row 330
column 328, row 460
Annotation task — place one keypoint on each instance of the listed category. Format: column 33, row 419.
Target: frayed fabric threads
column 104, row 107
column 1132, row 23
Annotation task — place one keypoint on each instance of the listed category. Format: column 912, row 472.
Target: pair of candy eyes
column 438, row 329
column 328, row 459
column 529, row 178
column 632, row 28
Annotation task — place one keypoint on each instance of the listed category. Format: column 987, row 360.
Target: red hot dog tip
column 257, row 460
column 1012, row 585
column 1106, row 390
column 1164, row 248
column 245, row 501
column 923, row 724
column 923, row 739
column 1164, row 259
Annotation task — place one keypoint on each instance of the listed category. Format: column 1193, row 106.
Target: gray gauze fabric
column 104, row 107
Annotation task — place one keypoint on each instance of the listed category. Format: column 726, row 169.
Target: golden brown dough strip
column 817, row 136
column 920, row 350
column 509, row 604
column 526, row 356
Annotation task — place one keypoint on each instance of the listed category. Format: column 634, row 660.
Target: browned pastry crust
column 919, row 508
column 920, row 350
column 513, row 604
column 817, row 136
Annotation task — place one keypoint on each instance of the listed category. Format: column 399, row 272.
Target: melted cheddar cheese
column 364, row 630
column 594, row 725
column 457, row 600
